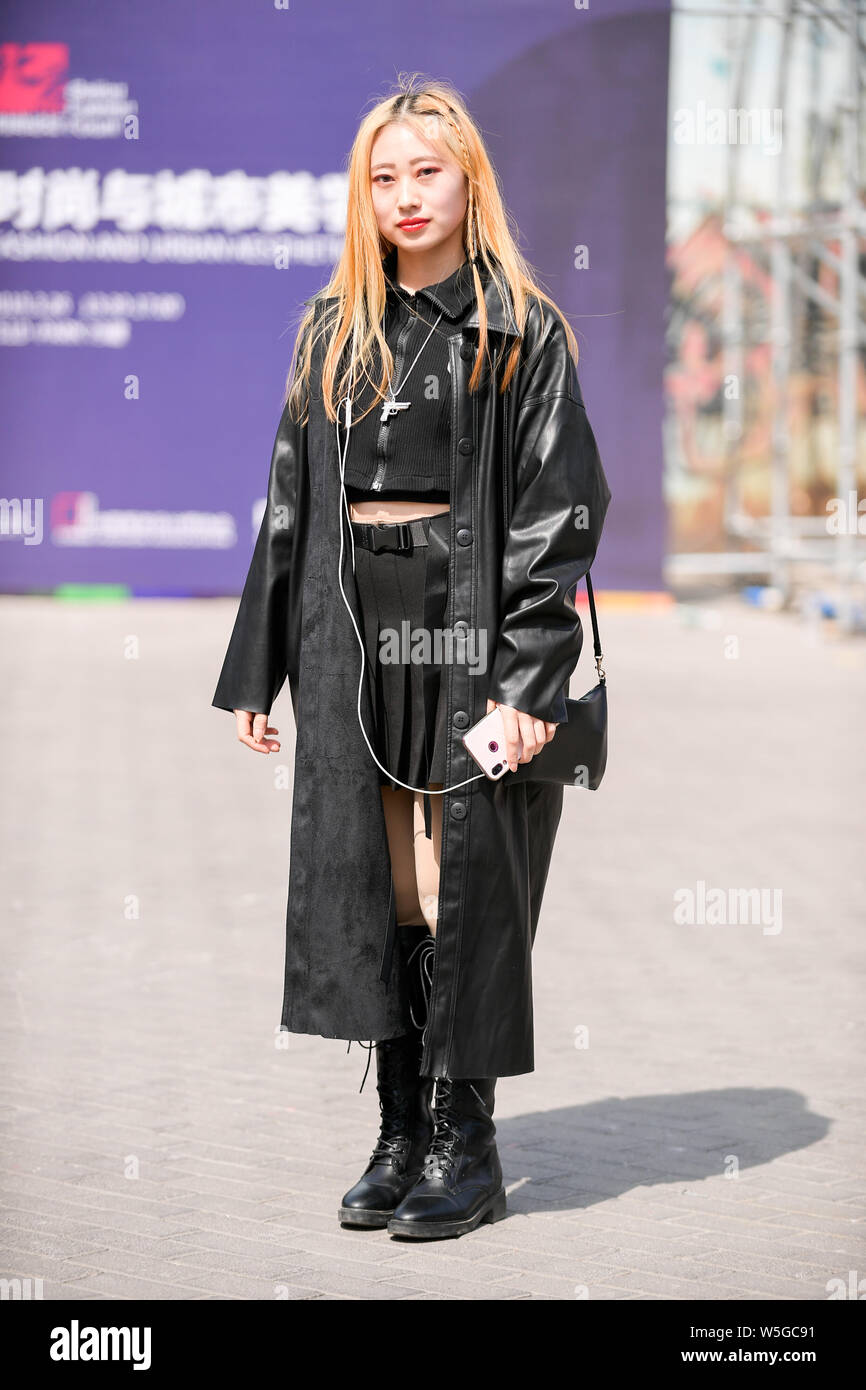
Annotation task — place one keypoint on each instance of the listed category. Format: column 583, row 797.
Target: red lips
column 414, row 222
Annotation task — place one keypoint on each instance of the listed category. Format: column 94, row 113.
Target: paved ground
column 707, row 1142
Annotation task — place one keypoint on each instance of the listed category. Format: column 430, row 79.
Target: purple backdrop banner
column 157, row 159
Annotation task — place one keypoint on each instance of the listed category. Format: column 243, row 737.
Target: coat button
column 467, row 351
column 461, row 719
column 466, row 446
column 461, row 628
column 464, row 537
column 458, row 810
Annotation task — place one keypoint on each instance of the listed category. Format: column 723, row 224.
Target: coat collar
column 452, row 296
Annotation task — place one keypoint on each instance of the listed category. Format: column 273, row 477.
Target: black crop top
column 409, row 452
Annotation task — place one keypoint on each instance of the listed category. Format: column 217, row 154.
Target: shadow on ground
column 579, row 1155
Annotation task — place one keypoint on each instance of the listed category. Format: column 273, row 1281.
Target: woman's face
column 419, row 185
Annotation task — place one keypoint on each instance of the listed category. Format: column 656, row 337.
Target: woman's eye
column 431, row 169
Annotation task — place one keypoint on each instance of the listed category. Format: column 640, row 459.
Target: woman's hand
column 534, row 733
column 252, row 729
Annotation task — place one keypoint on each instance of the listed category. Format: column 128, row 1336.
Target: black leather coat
column 528, row 502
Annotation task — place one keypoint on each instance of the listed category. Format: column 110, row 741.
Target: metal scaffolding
column 796, row 244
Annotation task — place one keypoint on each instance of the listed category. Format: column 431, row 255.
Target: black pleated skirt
column 403, row 597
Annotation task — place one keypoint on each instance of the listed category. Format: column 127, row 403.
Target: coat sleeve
column 259, row 656
column 560, row 501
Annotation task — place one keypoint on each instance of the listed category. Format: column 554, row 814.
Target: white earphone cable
column 341, row 454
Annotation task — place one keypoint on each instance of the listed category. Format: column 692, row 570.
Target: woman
column 477, row 504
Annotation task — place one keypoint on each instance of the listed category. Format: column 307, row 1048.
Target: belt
column 391, row 535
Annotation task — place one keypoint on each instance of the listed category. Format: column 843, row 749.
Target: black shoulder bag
column 576, row 756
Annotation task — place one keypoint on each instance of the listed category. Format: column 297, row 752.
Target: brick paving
column 694, row 1127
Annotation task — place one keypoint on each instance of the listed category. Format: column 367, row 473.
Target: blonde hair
column 438, row 114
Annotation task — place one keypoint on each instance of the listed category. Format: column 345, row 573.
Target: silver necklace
column 391, row 405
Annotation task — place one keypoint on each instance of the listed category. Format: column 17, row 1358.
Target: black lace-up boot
column 404, row 1101
column 461, row 1184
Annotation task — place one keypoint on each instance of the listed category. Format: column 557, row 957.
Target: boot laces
column 369, row 1046
column 440, row 1157
column 395, row 1109
column 425, row 971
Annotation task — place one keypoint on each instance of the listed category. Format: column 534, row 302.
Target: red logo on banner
column 64, row 509
column 32, row 76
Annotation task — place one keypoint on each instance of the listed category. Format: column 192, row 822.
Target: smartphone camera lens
column 497, row 769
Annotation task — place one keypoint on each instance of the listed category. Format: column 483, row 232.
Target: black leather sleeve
column 561, row 498
column 258, row 656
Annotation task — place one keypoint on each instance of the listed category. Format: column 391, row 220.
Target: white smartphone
column 485, row 741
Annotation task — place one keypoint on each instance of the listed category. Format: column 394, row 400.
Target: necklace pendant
column 391, row 407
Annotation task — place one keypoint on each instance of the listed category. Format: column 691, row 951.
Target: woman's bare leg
column 427, row 854
column 397, row 802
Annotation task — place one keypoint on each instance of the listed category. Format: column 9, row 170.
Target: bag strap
column 596, row 640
